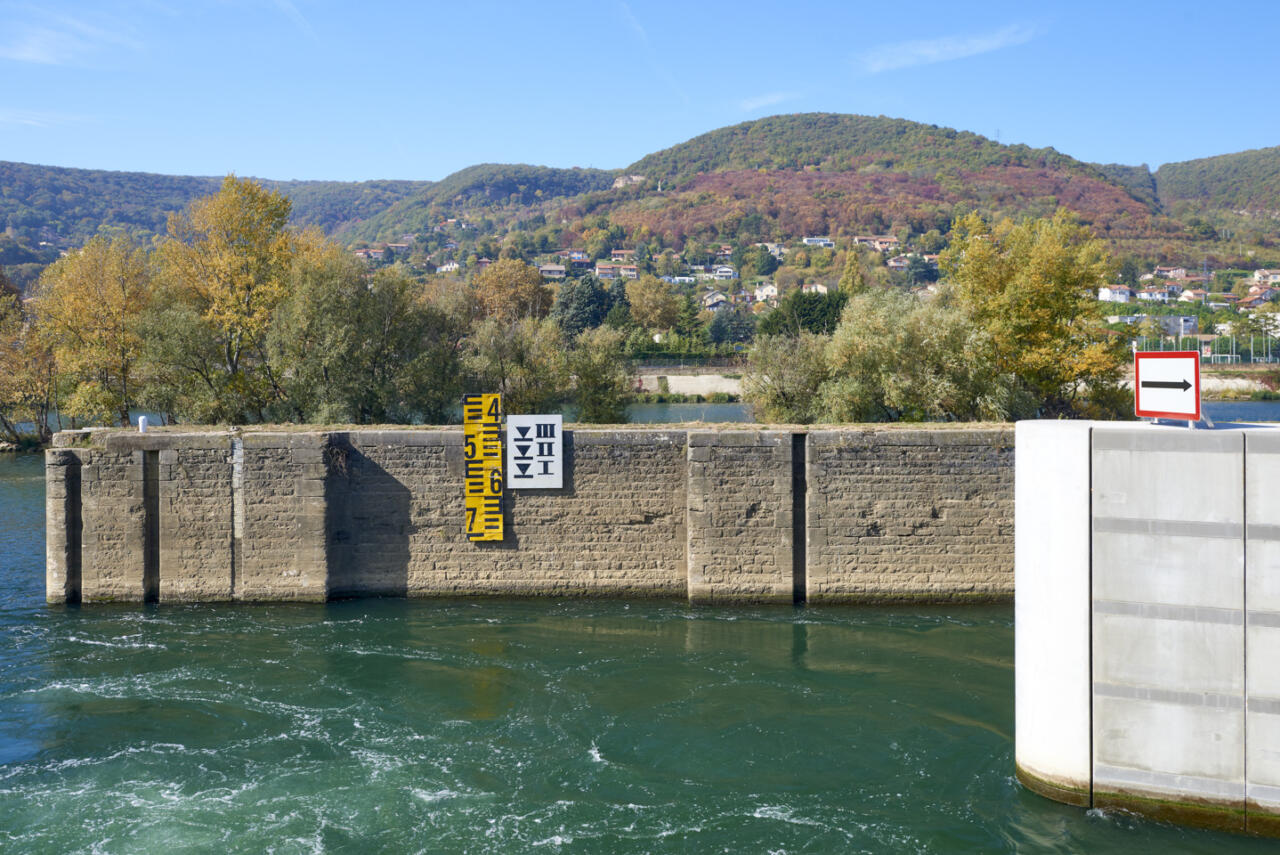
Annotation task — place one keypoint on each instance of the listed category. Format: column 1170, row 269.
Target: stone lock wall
column 730, row 515
column 919, row 512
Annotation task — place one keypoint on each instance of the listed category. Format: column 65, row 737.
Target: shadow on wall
column 369, row 527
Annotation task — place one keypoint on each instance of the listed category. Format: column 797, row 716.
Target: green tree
column 896, row 358
column 800, row 312
column 524, row 360
column 783, row 378
column 364, row 351
column 668, row 264
column 1032, row 286
column 1129, row 272
column 920, row 271
column 852, row 280
column 931, row 241
column 602, row 376
column 617, row 293
column 28, row 376
column 619, row 317
column 581, row 304
column 689, row 325
column 752, row 261
column 734, row 325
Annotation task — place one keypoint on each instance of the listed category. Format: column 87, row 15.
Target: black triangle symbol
column 523, row 467
column 522, row 430
column 523, row 449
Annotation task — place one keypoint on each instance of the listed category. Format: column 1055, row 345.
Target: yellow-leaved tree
column 654, row 304
column 224, row 270
column 509, row 290
column 1033, row 285
column 28, row 379
column 87, row 307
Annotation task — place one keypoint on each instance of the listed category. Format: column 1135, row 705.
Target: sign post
column 1166, row 385
column 535, row 452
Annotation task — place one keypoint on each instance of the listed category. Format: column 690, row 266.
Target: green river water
column 536, row 726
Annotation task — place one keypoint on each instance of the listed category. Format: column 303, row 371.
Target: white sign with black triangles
column 535, row 452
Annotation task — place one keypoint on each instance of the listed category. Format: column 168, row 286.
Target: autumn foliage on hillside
column 779, row 204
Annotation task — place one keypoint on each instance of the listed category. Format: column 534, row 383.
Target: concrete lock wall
column 734, row 515
column 1146, row 619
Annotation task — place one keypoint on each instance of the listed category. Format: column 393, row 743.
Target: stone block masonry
column 714, row 516
column 909, row 514
column 740, row 523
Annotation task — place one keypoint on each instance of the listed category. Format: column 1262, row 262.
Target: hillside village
column 1250, row 308
column 716, row 275
column 1171, row 301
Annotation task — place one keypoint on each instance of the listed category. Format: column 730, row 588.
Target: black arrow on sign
column 1184, row 385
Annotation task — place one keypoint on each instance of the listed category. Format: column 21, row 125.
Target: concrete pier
column 1148, row 618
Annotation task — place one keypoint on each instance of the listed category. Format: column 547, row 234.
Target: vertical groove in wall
column 74, row 529
column 799, row 526
column 1244, row 611
column 688, row 526
column 237, row 507
column 151, row 530
column 1090, row 512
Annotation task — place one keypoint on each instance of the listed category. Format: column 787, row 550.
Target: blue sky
column 322, row 89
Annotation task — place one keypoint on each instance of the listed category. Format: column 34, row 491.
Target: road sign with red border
column 1166, row 384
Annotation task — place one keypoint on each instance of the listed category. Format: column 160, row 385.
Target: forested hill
column 1245, row 181
column 58, row 203
column 834, row 142
column 64, row 205
column 1138, row 180
column 73, row 203
column 483, row 185
column 777, row 178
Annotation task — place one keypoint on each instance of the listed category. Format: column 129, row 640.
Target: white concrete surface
column 1168, row 650
column 692, row 384
column 1262, row 618
column 1051, row 601
column 1147, row 611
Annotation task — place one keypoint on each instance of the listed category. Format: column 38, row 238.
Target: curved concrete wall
column 1051, row 608
column 1148, row 619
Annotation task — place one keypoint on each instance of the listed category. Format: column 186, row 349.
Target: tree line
column 233, row 318
column 1014, row 332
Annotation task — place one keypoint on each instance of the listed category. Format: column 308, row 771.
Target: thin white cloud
column 300, row 21
column 750, row 105
column 642, row 35
column 633, row 22
column 35, row 118
column 899, row 55
column 47, row 38
column 40, row 46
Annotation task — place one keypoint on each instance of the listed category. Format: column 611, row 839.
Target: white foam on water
column 432, row 796
column 554, row 840
column 119, row 644
column 783, row 814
